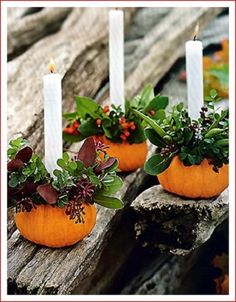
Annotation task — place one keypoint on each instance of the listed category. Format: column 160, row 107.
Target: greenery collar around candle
column 91, row 119
column 89, row 177
column 174, row 133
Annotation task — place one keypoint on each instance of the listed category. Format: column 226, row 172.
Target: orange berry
column 133, row 127
column 106, row 109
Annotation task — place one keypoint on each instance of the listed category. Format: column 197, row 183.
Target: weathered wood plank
column 23, row 32
column 171, row 223
column 166, row 44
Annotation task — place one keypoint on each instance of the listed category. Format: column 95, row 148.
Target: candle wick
column 195, row 37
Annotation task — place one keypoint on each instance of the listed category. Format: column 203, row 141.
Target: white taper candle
column 194, row 70
column 116, row 57
column 52, row 119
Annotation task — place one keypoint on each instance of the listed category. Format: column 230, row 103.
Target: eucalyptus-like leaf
column 108, row 202
column 154, row 138
column 157, row 164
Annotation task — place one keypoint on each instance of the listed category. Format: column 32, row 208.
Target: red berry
column 98, row 122
column 106, row 109
column 123, row 137
column 126, row 133
column 125, row 125
column 133, row 127
column 68, row 130
column 152, row 112
column 75, row 125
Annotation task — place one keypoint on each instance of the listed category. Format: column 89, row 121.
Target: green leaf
column 158, row 102
column 154, row 138
column 66, row 157
column 87, row 106
column 14, row 180
column 151, row 123
column 108, row 202
column 213, row 93
column 73, row 138
column 89, row 128
column 160, row 115
column 112, row 187
column 147, row 95
column 61, row 163
column 72, row 165
column 70, row 116
column 157, row 164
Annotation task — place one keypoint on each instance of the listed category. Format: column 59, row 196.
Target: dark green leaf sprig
column 90, row 119
column 192, row 140
column 89, row 177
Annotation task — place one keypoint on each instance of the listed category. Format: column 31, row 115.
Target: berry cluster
column 127, row 127
column 72, row 129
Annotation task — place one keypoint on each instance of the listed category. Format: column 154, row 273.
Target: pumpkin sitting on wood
column 60, row 212
column 192, row 155
column 122, row 131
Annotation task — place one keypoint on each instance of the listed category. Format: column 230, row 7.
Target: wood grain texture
column 23, row 32
column 176, row 225
column 165, row 44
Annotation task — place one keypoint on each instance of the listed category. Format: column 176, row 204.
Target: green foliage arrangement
column 89, row 177
column 192, row 140
column 90, row 119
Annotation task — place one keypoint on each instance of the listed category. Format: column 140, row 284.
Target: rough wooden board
column 23, row 32
column 169, row 45
column 174, row 224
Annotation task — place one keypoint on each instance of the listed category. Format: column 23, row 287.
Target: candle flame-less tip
column 196, row 32
column 51, row 66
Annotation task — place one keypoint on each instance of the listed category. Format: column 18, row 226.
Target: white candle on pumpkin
column 52, row 118
column 194, row 71
column 116, row 58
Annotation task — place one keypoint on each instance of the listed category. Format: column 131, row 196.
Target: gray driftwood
column 25, row 31
column 174, row 224
column 165, row 44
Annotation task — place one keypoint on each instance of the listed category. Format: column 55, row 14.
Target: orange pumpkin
column 51, row 226
column 130, row 156
column 197, row 181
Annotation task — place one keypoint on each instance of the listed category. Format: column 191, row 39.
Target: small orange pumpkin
column 130, row 156
column 51, row 226
column 197, row 181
